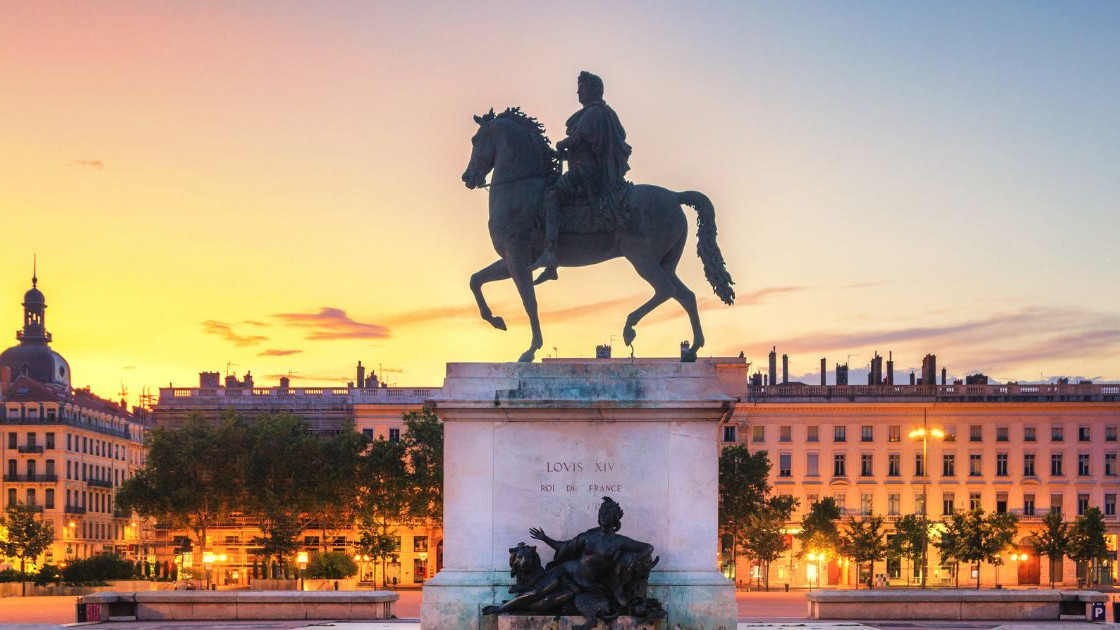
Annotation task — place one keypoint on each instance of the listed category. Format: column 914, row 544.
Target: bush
column 12, row 575
column 331, row 566
column 98, row 569
column 48, row 574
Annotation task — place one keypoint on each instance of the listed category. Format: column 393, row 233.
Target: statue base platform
column 540, row 444
column 552, row 622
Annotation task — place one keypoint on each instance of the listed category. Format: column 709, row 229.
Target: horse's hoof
column 548, row 274
column 498, row 322
column 628, row 335
column 527, row 356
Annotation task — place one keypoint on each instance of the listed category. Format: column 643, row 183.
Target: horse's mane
column 542, row 146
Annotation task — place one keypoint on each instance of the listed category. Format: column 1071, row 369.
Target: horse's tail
column 714, row 268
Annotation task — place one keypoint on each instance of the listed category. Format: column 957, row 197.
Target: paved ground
column 783, row 611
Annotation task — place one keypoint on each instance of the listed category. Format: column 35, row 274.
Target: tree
column 192, row 477
column 27, row 536
column 423, row 451
column 331, row 566
column 334, row 480
column 909, row 533
column 1087, row 544
column 950, row 539
column 383, row 501
column 1053, row 540
column 742, row 491
column 999, row 533
column 820, row 535
column 764, row 537
column 864, row 541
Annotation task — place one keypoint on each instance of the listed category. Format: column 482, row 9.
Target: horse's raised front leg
column 523, row 277
column 495, row 271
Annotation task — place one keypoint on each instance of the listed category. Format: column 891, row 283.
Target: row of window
column 51, row 414
column 74, row 443
column 948, row 465
column 74, row 472
column 77, row 501
column 394, row 434
column 894, row 433
column 948, row 503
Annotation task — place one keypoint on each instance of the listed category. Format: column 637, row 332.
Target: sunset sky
column 276, row 184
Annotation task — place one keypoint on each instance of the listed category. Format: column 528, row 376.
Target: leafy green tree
column 743, row 488
column 906, row 543
column 384, row 499
column 335, row 480
column 1053, row 540
column 864, row 541
column 950, row 539
column 279, row 491
column 764, row 537
column 27, row 536
column 331, row 566
column 820, row 533
column 192, row 477
column 423, row 452
column 1087, row 544
column 999, row 534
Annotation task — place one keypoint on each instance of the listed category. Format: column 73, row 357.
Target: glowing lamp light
column 301, row 559
column 209, row 558
column 71, row 524
column 918, row 434
column 357, row 557
column 812, row 571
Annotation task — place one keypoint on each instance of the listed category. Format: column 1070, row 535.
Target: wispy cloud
column 332, row 323
column 257, row 323
column 94, row 164
column 225, row 331
column 276, row 352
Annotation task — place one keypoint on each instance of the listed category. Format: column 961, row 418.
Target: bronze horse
column 515, row 147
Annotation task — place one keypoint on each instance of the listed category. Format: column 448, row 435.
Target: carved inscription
column 599, row 484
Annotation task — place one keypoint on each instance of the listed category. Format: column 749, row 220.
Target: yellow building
column 373, row 409
column 65, row 451
column 1024, row 449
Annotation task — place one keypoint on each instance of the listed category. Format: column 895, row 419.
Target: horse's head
column 482, row 152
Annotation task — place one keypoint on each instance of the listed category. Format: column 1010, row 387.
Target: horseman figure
column 601, row 215
column 598, row 159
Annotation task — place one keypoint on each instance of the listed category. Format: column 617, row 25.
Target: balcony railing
column 31, row 478
column 961, row 393
column 99, row 483
column 29, row 448
column 254, row 395
column 74, row 509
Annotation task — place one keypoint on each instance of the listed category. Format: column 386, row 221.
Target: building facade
column 65, row 451
column 372, row 409
column 1024, row 449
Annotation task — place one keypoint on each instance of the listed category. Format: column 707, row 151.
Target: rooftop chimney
column 929, row 369
column 284, row 383
column 943, row 377
column 841, row 374
column 774, row 365
column 232, row 382
column 785, row 369
column 248, row 381
column 603, row 351
column 911, row 377
column 875, row 376
column 209, row 379
column 890, row 368
column 361, row 376
column 684, row 348
column 824, row 367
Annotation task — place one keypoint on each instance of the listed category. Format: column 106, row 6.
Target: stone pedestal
column 539, row 445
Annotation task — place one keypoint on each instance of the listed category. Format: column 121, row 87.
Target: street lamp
column 301, row 560
column 924, row 434
column 208, row 559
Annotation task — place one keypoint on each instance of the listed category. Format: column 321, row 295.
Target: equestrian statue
column 542, row 217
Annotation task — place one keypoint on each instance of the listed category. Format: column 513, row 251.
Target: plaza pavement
column 757, row 611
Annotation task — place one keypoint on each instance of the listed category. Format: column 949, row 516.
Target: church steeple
column 34, row 313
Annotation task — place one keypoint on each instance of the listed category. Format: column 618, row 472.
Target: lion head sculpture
column 524, row 567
